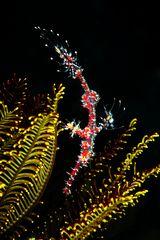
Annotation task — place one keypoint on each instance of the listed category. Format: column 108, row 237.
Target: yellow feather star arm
column 25, row 175
column 109, row 201
column 110, row 152
column 9, row 121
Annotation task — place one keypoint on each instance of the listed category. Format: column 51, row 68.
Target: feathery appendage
column 13, row 92
column 103, row 193
column 27, row 158
column 107, row 192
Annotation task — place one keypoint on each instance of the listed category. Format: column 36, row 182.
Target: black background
column 119, row 48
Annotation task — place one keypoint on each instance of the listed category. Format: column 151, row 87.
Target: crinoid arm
column 107, row 191
column 104, row 192
column 27, row 159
